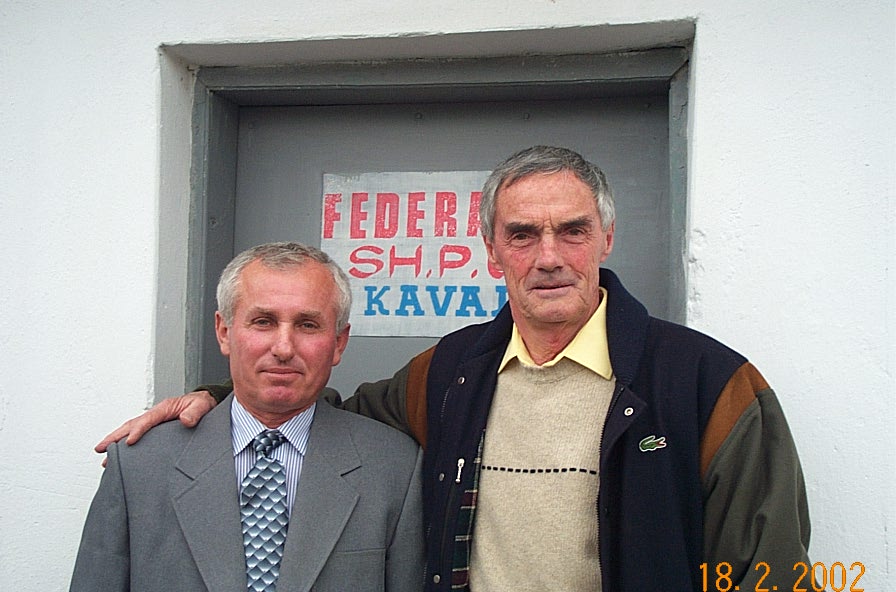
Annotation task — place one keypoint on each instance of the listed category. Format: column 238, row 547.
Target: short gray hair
column 281, row 256
column 545, row 160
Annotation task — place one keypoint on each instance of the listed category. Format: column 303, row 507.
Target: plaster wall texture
column 790, row 225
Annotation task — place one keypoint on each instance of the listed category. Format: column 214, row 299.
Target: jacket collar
column 205, row 501
column 627, row 321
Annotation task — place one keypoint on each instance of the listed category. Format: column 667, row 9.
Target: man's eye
column 576, row 234
column 262, row 322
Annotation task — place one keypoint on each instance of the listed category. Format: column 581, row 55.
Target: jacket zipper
column 452, row 494
column 447, row 535
column 600, row 452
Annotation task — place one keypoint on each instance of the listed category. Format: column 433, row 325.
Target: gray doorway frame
column 220, row 91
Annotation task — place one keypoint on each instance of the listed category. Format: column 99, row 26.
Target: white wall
column 791, row 227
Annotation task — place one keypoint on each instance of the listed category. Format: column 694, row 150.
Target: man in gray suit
column 350, row 486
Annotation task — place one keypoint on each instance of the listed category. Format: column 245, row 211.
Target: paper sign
column 410, row 244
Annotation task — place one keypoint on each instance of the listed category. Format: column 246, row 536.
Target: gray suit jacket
column 166, row 514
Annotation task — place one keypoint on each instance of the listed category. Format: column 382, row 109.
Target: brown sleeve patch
column 416, row 394
column 734, row 399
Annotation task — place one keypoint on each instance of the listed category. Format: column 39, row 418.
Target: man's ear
column 341, row 343
column 222, row 332
column 609, row 238
column 490, row 251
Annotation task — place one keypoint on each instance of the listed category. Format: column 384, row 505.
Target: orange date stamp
column 807, row 578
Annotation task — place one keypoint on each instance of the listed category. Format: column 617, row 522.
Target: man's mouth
column 282, row 371
column 552, row 286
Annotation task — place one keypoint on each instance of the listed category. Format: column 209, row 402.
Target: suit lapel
column 205, row 500
column 324, row 500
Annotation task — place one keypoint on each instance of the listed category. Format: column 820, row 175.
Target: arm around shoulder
column 218, row 392
column 189, row 408
column 399, row 402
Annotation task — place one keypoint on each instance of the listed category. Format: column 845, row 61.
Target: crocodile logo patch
column 651, row 443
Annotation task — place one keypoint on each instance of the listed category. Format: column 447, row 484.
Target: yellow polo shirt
column 588, row 348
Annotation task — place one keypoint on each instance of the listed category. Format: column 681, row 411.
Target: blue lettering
column 469, row 300
column 440, row 299
column 441, row 308
column 375, row 300
column 409, row 298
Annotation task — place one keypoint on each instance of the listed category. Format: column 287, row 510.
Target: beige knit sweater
column 536, row 516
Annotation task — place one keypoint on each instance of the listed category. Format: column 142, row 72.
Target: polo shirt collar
column 588, row 348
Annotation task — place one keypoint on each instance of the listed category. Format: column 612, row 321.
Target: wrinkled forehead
column 556, row 199
column 528, row 176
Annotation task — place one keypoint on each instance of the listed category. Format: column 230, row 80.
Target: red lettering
column 473, row 216
column 358, row 215
column 446, row 208
column 416, row 260
column 453, row 257
column 331, row 216
column 356, row 258
column 386, row 220
column 414, row 213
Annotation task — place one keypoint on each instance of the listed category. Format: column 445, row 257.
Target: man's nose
column 548, row 257
column 282, row 347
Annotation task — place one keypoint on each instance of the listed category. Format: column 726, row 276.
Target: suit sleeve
column 756, row 516
column 383, row 401
column 218, row 392
column 405, row 556
column 103, row 562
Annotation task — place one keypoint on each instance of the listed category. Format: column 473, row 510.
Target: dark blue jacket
column 668, row 378
column 725, row 490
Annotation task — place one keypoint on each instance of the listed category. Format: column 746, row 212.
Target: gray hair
column 544, row 160
column 281, row 256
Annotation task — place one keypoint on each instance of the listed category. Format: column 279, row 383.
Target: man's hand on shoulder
column 188, row 408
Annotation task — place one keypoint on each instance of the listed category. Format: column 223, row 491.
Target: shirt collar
column 588, row 348
column 244, row 427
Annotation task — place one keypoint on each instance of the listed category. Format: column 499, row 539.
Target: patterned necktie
column 264, row 514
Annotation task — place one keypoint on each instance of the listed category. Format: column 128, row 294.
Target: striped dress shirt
column 244, row 428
